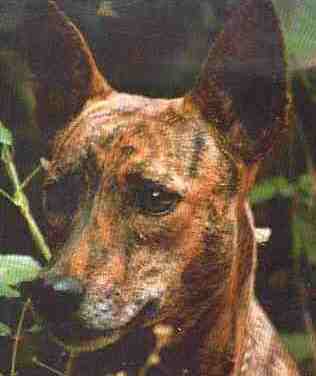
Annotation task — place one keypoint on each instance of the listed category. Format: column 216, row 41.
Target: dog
column 146, row 199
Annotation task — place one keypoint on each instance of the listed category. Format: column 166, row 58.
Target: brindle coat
column 146, row 199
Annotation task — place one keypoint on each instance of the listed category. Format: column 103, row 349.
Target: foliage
column 296, row 343
column 15, row 269
column 18, row 198
column 4, row 330
column 5, row 136
column 301, row 193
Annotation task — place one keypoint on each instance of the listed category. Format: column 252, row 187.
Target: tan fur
column 114, row 156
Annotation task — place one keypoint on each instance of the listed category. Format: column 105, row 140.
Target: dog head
column 146, row 198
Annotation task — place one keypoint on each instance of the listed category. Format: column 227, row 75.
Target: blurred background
column 156, row 48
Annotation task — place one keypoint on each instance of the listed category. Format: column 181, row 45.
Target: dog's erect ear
column 66, row 75
column 242, row 88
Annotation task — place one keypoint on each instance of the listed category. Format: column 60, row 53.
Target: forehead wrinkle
column 163, row 153
column 156, row 154
column 73, row 146
column 122, row 103
column 101, row 118
column 99, row 121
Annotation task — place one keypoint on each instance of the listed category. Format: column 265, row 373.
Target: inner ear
column 65, row 72
column 242, row 87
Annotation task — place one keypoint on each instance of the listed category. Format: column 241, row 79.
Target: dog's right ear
column 66, row 75
column 242, row 89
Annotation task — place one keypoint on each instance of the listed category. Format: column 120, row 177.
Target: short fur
column 191, row 265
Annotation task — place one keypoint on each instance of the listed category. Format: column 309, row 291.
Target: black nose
column 55, row 298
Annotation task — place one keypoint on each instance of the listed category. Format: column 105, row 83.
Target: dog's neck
column 229, row 341
column 226, row 346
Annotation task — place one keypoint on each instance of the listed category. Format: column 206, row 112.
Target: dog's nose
column 56, row 298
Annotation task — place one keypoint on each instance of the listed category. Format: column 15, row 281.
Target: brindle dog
column 146, row 199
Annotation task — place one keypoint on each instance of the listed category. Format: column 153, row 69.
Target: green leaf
column 5, row 331
column 304, row 232
column 36, row 328
column 15, row 269
column 298, row 23
column 8, row 292
column 305, row 190
column 5, row 136
column 298, row 344
column 270, row 188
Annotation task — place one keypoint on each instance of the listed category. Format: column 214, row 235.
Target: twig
column 70, row 364
column 163, row 334
column 17, row 337
column 21, row 202
column 7, row 196
column 30, row 177
column 43, row 365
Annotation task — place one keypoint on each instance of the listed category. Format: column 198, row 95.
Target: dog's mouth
column 83, row 325
column 74, row 336
column 74, row 331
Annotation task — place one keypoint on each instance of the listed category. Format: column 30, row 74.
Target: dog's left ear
column 65, row 72
column 242, row 89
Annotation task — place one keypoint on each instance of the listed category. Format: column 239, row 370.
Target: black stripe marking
column 198, row 147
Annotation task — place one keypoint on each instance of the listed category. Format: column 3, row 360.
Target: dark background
column 156, row 48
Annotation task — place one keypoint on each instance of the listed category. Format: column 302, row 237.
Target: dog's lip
column 75, row 331
column 75, row 336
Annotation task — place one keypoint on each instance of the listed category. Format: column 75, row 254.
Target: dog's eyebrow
column 159, row 174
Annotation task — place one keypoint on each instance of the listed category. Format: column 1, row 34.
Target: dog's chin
column 77, row 339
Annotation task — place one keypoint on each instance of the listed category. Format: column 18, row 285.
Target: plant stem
column 70, row 364
column 43, row 365
column 35, row 231
column 30, row 177
column 17, row 337
column 7, row 196
column 22, row 203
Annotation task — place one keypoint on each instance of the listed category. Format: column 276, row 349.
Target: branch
column 21, row 202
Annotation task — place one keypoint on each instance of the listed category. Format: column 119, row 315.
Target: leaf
column 106, row 10
column 304, row 233
column 15, row 269
column 36, row 328
column 298, row 22
column 5, row 331
column 305, row 190
column 270, row 188
column 8, row 292
column 298, row 344
column 5, row 136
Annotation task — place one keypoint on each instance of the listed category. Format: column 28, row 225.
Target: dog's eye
column 61, row 197
column 152, row 198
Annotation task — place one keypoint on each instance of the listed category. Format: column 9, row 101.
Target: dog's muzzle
column 57, row 298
